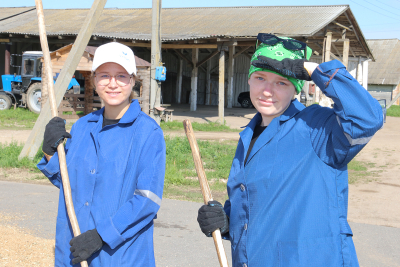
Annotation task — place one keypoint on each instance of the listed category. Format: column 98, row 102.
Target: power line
column 365, row 25
column 373, row 10
column 381, row 8
column 383, row 31
column 388, row 5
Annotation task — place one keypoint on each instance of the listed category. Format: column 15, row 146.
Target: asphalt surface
column 178, row 240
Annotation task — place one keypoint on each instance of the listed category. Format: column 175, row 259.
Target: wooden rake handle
column 60, row 149
column 205, row 189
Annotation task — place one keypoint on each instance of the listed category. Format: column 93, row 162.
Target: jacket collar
column 246, row 135
column 129, row 116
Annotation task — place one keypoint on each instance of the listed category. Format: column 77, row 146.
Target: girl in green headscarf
column 288, row 185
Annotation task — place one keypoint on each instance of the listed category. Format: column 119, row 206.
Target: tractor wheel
column 34, row 97
column 5, row 102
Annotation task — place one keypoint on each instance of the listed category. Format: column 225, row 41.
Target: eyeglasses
column 291, row 44
column 104, row 79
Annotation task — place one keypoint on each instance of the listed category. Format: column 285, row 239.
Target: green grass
column 70, row 113
column 180, row 170
column 204, row 127
column 393, row 111
column 20, row 118
column 358, row 171
column 9, row 157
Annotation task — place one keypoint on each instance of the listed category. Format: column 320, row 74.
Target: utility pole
column 155, row 86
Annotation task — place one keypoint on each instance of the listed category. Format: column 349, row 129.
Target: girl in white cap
column 116, row 164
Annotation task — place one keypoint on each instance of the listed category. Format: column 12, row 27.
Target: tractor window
column 38, row 68
column 29, row 64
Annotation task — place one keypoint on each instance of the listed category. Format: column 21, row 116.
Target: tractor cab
column 31, row 67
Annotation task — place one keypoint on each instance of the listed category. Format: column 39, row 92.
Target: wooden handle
column 205, row 189
column 60, row 149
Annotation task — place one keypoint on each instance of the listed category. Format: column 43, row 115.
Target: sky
column 378, row 19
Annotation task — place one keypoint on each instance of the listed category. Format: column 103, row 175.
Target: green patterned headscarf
column 279, row 52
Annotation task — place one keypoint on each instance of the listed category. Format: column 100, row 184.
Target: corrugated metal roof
column 386, row 68
column 7, row 12
column 183, row 23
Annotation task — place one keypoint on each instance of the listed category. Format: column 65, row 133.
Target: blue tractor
column 25, row 89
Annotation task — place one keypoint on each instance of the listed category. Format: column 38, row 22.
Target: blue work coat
column 288, row 205
column 117, row 177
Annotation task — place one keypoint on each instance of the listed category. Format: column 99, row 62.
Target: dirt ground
column 29, row 250
column 373, row 200
column 376, row 202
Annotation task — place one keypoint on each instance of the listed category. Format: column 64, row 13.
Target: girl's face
column 270, row 94
column 117, row 92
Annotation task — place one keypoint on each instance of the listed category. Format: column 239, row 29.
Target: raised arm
column 338, row 134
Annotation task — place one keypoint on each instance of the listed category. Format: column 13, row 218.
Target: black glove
column 289, row 67
column 54, row 134
column 84, row 245
column 212, row 217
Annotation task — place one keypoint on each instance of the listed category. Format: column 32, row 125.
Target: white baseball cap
column 117, row 53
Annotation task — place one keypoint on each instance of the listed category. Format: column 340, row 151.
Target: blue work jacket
column 288, row 205
column 117, row 177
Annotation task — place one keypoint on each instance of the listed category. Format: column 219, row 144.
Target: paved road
column 178, row 241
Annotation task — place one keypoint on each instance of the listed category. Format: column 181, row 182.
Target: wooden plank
column 335, row 48
column 328, row 46
column 393, row 101
column 241, row 51
column 341, row 25
column 181, row 55
column 207, row 58
column 346, row 46
column 71, row 117
column 335, row 57
column 173, row 46
column 36, row 136
column 75, row 95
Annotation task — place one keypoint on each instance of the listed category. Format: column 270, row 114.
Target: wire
column 373, row 10
column 384, row 31
column 376, row 24
column 381, row 8
column 388, row 5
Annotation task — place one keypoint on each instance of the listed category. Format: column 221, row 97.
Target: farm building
column 384, row 73
column 205, row 50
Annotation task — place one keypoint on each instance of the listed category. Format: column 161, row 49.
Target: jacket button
column 242, row 187
column 93, row 171
column 245, row 226
column 244, row 265
column 87, row 203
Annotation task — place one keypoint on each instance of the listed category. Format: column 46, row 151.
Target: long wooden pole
column 205, row 189
column 53, row 107
column 155, row 86
column 35, row 138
